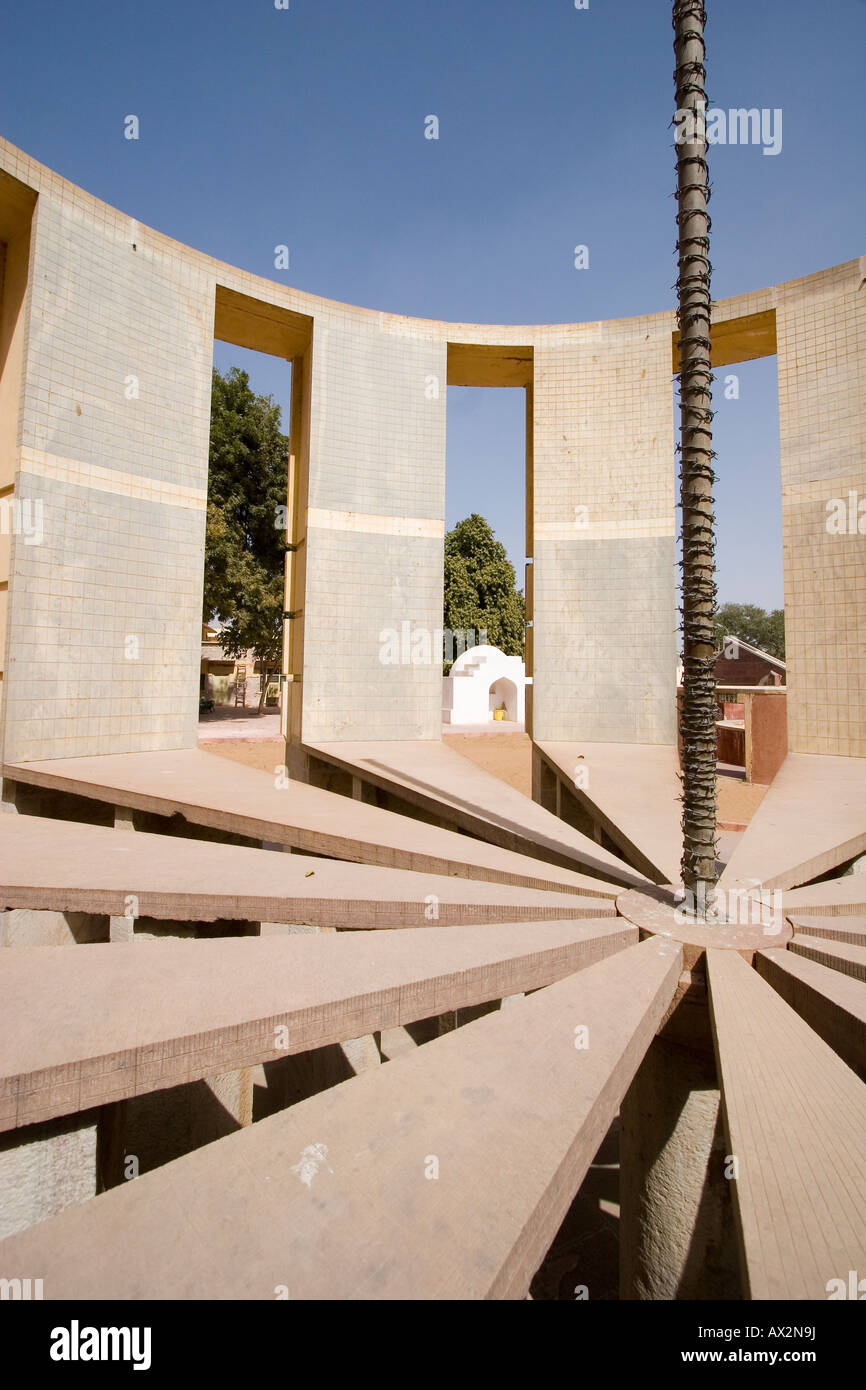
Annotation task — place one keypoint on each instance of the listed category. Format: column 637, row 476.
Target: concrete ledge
column 438, row 779
column 837, row 897
column 208, row 790
column 838, row 955
column 633, row 792
column 812, row 819
column 850, row 929
column 440, row 1175
column 83, row 1028
column 70, row 867
column 831, row 1003
column 795, row 1117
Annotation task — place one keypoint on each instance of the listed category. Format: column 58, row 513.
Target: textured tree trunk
column 697, row 725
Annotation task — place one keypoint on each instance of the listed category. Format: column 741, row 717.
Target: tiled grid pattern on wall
column 113, row 444
column 102, row 613
column 821, row 330
column 605, row 620
column 371, row 599
column 374, row 536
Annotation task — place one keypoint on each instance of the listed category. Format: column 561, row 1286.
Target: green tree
column 480, row 588
column 752, row 624
column 245, row 535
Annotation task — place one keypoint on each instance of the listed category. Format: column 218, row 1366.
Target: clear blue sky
column 306, row 127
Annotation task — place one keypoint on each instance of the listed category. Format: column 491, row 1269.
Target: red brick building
column 739, row 663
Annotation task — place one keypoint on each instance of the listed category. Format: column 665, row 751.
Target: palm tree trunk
column 697, row 721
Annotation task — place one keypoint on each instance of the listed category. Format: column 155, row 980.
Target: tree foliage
column 245, row 537
column 752, row 624
column 480, row 588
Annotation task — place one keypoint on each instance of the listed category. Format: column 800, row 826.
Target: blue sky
column 306, row 127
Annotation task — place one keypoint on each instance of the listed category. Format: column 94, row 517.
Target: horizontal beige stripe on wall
column 76, row 473
column 822, row 489
column 606, row 529
column 375, row 525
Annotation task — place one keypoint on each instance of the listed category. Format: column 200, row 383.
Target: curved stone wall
column 106, row 338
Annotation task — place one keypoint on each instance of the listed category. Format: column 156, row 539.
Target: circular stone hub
column 743, row 920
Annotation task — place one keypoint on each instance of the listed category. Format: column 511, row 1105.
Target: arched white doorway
column 482, row 680
column 503, row 693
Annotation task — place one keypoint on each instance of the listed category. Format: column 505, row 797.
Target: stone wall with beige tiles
column 375, row 528
column 821, row 333
column 604, row 579
column 113, row 441
column 103, row 637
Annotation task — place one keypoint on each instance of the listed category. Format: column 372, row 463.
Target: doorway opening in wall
column 751, row 679
column 251, row 529
column 488, row 469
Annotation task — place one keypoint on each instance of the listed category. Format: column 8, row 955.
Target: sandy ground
column 264, row 754
column 227, row 722
column 738, row 800
column 508, row 756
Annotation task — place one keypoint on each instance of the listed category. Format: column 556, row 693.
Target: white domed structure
column 481, row 681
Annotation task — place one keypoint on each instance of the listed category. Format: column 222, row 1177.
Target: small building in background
column 229, row 680
column 483, row 687
column 739, row 663
column 751, row 709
